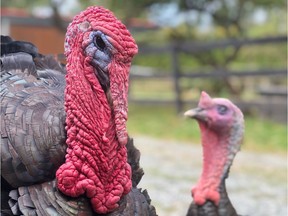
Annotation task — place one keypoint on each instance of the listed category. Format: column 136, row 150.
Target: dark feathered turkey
column 222, row 128
column 34, row 133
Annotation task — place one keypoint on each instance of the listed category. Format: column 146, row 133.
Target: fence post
column 176, row 75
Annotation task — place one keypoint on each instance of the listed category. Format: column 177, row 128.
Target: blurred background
column 229, row 48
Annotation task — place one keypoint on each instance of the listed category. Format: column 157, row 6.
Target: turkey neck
column 219, row 149
column 225, row 206
column 215, row 156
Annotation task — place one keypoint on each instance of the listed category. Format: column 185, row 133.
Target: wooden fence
column 174, row 49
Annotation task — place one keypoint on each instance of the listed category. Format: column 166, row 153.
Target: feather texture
column 32, row 119
column 33, row 141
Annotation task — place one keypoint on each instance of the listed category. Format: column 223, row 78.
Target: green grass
column 152, row 88
column 163, row 123
column 262, row 134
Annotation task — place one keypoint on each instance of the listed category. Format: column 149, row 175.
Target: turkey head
column 222, row 127
column 99, row 51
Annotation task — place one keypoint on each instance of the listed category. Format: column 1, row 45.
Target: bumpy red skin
column 214, row 158
column 96, row 160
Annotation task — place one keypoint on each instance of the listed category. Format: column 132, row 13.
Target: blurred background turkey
column 221, row 125
column 236, row 50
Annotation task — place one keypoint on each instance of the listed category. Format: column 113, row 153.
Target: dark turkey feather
column 32, row 120
column 8, row 45
column 33, row 140
column 225, row 207
column 45, row 199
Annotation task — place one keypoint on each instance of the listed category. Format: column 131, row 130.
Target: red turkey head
column 217, row 114
column 222, row 128
column 106, row 49
column 99, row 51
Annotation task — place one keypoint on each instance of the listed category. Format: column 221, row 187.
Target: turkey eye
column 99, row 43
column 222, row 109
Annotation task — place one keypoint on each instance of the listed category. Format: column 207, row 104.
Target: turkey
column 65, row 149
column 222, row 128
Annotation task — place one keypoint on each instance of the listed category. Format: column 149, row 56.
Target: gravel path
column 257, row 185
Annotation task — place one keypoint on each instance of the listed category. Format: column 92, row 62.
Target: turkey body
column 222, row 129
column 35, row 140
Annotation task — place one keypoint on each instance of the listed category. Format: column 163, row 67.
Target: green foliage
column 265, row 56
column 273, row 26
column 23, row 3
column 180, row 33
column 124, row 9
column 231, row 19
column 226, row 13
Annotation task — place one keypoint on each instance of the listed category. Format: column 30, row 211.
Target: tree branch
column 57, row 19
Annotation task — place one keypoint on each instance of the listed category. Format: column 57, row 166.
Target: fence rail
column 195, row 47
column 216, row 74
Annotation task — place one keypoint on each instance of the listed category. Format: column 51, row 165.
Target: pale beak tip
column 190, row 113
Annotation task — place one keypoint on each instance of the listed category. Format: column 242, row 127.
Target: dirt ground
column 257, row 185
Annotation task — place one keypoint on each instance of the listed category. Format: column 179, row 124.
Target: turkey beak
column 197, row 113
